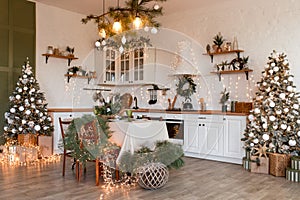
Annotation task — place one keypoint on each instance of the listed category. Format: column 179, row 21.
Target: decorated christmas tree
column 274, row 122
column 27, row 112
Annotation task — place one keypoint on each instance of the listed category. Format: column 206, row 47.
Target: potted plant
column 224, row 99
column 218, row 41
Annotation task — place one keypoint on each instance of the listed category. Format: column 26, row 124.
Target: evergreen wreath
column 186, row 79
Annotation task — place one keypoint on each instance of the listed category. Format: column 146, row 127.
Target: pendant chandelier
column 136, row 14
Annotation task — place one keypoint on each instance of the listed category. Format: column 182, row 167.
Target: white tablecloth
column 133, row 135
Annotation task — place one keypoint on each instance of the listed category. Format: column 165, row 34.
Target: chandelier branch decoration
column 134, row 15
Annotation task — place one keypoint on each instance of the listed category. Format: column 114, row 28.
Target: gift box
column 21, row 153
column 27, row 139
column 246, row 163
column 45, row 144
column 31, row 154
column 259, row 165
column 279, row 163
column 292, row 174
column 243, row 107
column 295, row 162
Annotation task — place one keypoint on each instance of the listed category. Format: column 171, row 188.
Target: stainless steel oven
column 175, row 130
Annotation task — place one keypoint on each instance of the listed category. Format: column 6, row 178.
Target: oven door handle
column 174, row 121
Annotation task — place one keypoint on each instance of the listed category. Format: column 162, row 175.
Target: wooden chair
column 66, row 153
column 89, row 135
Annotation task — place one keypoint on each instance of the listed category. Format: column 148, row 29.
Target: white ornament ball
column 298, row 133
column 296, row 106
column 276, row 78
column 40, row 101
column 275, row 127
column 41, row 114
column 20, row 90
column 292, row 143
column 251, row 134
column 12, row 110
column 37, row 127
column 13, row 130
column 289, row 88
column 276, row 69
column 265, row 125
column 283, row 126
column 257, row 110
column 273, row 64
column 5, row 128
column 49, row 119
column 272, row 118
column 31, row 99
column 32, row 90
column 18, row 96
column 27, row 112
column 255, row 141
column 24, row 76
column 45, row 128
column 264, row 83
column 286, row 110
column 251, row 144
column 272, row 104
column 23, row 121
column 282, row 95
column 266, row 137
column 251, row 117
column 156, row 7
column 37, row 111
column 271, row 71
column 21, row 108
column 271, row 145
column 154, row 30
column 298, row 121
column 25, row 88
column 146, row 28
column 20, row 128
column 290, row 79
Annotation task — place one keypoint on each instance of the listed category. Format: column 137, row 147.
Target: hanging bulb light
column 137, row 23
column 117, row 27
column 102, row 33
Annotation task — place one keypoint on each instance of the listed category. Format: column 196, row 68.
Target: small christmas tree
column 274, row 122
column 27, row 108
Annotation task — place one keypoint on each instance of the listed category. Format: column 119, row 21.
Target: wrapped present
column 31, row 154
column 295, row 162
column 279, row 163
column 293, row 174
column 259, row 164
column 243, row 107
column 45, row 144
column 27, row 139
column 21, row 153
column 246, row 163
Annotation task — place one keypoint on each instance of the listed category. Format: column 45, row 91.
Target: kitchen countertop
column 207, row 112
column 146, row 110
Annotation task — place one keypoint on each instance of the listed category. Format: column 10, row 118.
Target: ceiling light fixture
column 136, row 14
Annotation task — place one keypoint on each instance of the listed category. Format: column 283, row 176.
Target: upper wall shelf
column 246, row 71
column 238, row 51
column 89, row 78
column 69, row 58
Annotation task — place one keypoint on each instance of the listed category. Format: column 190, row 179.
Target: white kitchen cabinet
column 134, row 67
column 233, row 132
column 215, row 137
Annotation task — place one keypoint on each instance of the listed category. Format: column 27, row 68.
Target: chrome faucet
column 135, row 102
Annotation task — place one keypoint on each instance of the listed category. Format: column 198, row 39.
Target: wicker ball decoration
column 153, row 176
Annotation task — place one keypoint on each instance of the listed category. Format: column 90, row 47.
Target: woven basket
column 153, row 176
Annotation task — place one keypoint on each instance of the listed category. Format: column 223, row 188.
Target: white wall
column 60, row 28
column 260, row 26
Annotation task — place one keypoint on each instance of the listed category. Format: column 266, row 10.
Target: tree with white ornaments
column 27, row 113
column 274, row 122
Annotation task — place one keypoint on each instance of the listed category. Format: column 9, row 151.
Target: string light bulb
column 102, row 33
column 117, row 27
column 137, row 23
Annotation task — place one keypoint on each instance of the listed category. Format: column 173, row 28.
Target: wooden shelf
column 69, row 58
column 89, row 78
column 246, row 71
column 238, row 51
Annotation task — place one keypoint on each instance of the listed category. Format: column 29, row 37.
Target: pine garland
column 165, row 152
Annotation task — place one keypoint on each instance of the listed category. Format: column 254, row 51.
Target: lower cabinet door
column 213, row 138
column 191, row 138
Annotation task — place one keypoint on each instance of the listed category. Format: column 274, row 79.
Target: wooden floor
column 198, row 179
